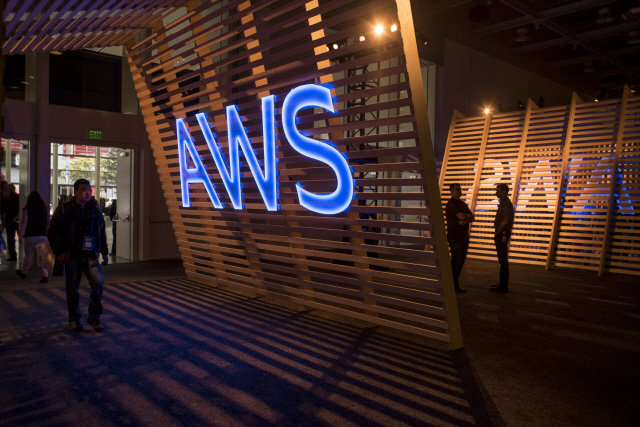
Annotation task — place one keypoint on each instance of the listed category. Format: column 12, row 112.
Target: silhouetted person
column 77, row 237
column 33, row 231
column 112, row 216
column 11, row 212
column 503, row 224
column 458, row 218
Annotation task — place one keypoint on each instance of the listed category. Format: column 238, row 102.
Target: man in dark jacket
column 458, row 218
column 10, row 213
column 77, row 237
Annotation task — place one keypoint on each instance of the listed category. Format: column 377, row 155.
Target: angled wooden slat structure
column 573, row 171
column 198, row 56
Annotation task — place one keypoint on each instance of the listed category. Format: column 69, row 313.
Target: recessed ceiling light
column 522, row 35
column 604, row 16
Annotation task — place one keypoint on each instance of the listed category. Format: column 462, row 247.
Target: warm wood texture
column 46, row 25
column 578, row 187
column 201, row 56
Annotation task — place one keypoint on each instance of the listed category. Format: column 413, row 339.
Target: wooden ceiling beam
column 57, row 25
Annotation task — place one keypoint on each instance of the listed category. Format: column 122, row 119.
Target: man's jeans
column 459, row 247
column 93, row 270
column 502, row 248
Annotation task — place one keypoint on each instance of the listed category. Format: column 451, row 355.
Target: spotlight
column 522, row 35
column 362, row 38
column 486, row 111
column 335, row 46
column 394, row 28
column 379, row 29
column 421, row 39
column 604, row 16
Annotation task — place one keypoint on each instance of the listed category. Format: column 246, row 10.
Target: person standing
column 11, row 225
column 77, row 236
column 33, row 231
column 503, row 224
column 458, row 218
column 113, row 214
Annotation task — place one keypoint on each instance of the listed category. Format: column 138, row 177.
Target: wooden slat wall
column 46, row 25
column 243, row 51
column 572, row 209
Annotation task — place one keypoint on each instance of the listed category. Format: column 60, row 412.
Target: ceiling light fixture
column 362, row 38
column 604, row 16
column 379, row 29
column 394, row 28
column 335, row 46
column 523, row 35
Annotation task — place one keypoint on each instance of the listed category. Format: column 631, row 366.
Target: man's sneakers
column 44, row 280
column 76, row 327
column 459, row 290
column 21, row 274
column 96, row 325
column 498, row 288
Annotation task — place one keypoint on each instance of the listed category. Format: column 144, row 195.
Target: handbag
column 46, row 254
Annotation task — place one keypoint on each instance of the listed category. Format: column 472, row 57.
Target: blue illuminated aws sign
column 299, row 98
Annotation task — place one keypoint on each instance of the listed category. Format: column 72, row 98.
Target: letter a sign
column 299, row 98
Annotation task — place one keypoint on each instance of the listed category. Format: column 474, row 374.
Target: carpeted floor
column 562, row 349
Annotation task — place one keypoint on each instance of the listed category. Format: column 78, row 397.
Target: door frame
column 136, row 205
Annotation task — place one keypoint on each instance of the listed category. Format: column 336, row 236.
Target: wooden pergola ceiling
column 59, row 25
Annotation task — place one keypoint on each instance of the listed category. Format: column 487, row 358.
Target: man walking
column 77, row 237
column 458, row 218
column 11, row 212
column 503, row 224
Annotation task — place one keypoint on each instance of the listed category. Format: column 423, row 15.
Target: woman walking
column 33, row 230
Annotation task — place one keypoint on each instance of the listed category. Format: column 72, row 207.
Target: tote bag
column 46, row 254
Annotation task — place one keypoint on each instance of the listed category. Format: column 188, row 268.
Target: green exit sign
column 95, row 134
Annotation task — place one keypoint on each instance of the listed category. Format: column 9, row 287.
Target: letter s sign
column 317, row 96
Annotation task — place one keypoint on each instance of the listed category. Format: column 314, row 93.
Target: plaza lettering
column 305, row 96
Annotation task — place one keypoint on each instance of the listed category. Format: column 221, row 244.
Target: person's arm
column 465, row 218
column 502, row 226
column 104, row 248
column 23, row 225
column 54, row 234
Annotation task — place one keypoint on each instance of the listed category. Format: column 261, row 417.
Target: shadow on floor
column 177, row 352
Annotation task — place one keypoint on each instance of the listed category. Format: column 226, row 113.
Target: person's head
column 12, row 188
column 502, row 190
column 35, row 203
column 82, row 191
column 456, row 190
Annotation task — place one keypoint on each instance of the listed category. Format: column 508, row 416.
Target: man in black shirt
column 458, row 218
column 503, row 224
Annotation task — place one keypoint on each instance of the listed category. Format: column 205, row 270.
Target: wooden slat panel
column 364, row 262
column 576, row 170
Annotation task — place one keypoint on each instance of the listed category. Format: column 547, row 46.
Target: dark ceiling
column 592, row 46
